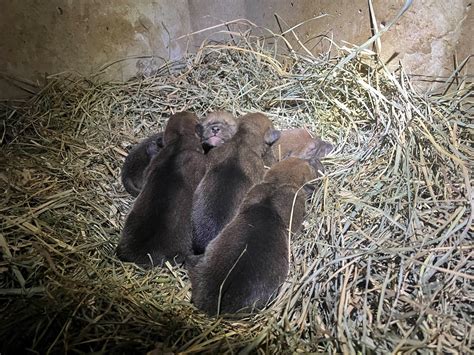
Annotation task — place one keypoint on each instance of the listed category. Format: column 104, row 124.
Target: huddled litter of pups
column 220, row 195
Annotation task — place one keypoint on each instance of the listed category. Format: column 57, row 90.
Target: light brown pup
column 133, row 170
column 246, row 263
column 158, row 227
column 299, row 143
column 233, row 169
column 217, row 128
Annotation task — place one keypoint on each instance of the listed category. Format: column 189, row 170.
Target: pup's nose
column 215, row 130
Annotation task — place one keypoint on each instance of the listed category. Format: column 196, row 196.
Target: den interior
column 383, row 262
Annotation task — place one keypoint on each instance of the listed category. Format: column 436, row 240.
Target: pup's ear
column 322, row 148
column 317, row 166
column 271, row 136
column 327, row 148
column 199, row 130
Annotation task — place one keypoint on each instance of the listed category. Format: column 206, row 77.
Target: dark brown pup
column 299, row 143
column 158, row 227
column 247, row 262
column 233, row 169
column 133, row 170
column 216, row 129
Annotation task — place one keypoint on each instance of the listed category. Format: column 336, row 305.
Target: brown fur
column 158, row 227
column 247, row 262
column 299, row 143
column 133, row 170
column 217, row 128
column 233, row 168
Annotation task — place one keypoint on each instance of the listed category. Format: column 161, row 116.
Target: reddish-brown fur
column 247, row 262
column 299, row 143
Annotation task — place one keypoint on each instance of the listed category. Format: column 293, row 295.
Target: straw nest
column 384, row 262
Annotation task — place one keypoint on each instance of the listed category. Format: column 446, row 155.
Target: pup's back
column 158, row 226
column 243, row 267
column 233, row 168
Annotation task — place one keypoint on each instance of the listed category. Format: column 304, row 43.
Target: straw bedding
column 384, row 262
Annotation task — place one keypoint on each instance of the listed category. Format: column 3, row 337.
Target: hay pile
column 384, row 262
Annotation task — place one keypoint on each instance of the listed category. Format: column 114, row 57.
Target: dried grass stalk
column 385, row 259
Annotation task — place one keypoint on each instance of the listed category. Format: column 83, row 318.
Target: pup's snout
column 215, row 130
